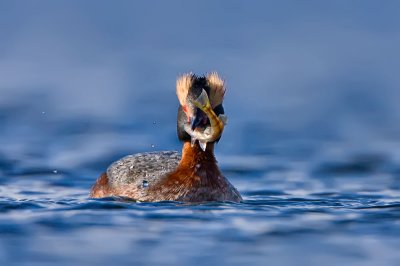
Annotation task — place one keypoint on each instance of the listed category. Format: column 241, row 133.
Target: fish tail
column 202, row 101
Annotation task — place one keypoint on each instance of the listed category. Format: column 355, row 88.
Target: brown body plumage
column 165, row 176
column 197, row 178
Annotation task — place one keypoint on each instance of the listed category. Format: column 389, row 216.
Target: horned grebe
column 167, row 176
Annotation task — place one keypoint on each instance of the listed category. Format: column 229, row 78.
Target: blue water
column 330, row 205
column 312, row 140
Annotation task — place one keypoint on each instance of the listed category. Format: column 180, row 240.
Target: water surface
column 330, row 205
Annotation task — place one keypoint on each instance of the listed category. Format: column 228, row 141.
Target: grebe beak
column 198, row 120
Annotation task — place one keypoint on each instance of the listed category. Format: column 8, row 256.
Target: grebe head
column 188, row 89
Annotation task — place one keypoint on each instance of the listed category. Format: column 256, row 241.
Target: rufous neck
column 194, row 155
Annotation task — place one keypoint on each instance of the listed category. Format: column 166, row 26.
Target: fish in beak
column 204, row 113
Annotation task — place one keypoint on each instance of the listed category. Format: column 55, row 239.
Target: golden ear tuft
column 217, row 89
column 183, row 84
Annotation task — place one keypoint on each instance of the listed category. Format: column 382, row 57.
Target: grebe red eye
column 185, row 109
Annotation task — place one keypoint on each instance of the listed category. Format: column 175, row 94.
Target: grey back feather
column 150, row 167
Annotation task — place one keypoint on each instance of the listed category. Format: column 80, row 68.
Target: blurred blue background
column 313, row 92
column 308, row 67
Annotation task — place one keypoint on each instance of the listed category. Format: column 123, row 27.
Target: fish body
column 217, row 123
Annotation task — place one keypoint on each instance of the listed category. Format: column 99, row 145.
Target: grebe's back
column 142, row 169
